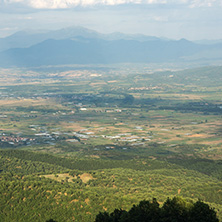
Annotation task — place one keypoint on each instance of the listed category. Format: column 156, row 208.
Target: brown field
column 28, row 102
column 198, row 136
column 216, row 142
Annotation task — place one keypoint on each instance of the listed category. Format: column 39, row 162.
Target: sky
column 174, row 19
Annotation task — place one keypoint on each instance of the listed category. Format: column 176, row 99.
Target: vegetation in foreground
column 73, row 189
column 176, row 209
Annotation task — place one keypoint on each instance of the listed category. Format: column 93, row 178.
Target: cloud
column 62, row 4
column 204, row 3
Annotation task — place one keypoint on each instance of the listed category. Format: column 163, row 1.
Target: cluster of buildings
column 16, row 140
column 145, row 88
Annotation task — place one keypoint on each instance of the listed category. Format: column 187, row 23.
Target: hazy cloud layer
column 62, row 4
column 191, row 19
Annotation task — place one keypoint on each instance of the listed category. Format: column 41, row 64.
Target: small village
column 15, row 140
column 42, row 135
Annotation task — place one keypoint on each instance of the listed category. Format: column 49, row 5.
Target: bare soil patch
column 86, row 177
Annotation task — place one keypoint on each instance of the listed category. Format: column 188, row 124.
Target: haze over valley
column 110, row 110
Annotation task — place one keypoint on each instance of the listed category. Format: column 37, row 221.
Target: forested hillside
column 44, row 189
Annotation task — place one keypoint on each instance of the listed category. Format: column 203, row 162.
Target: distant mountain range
column 77, row 45
column 28, row 38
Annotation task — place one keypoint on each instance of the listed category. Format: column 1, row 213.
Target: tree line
column 173, row 210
